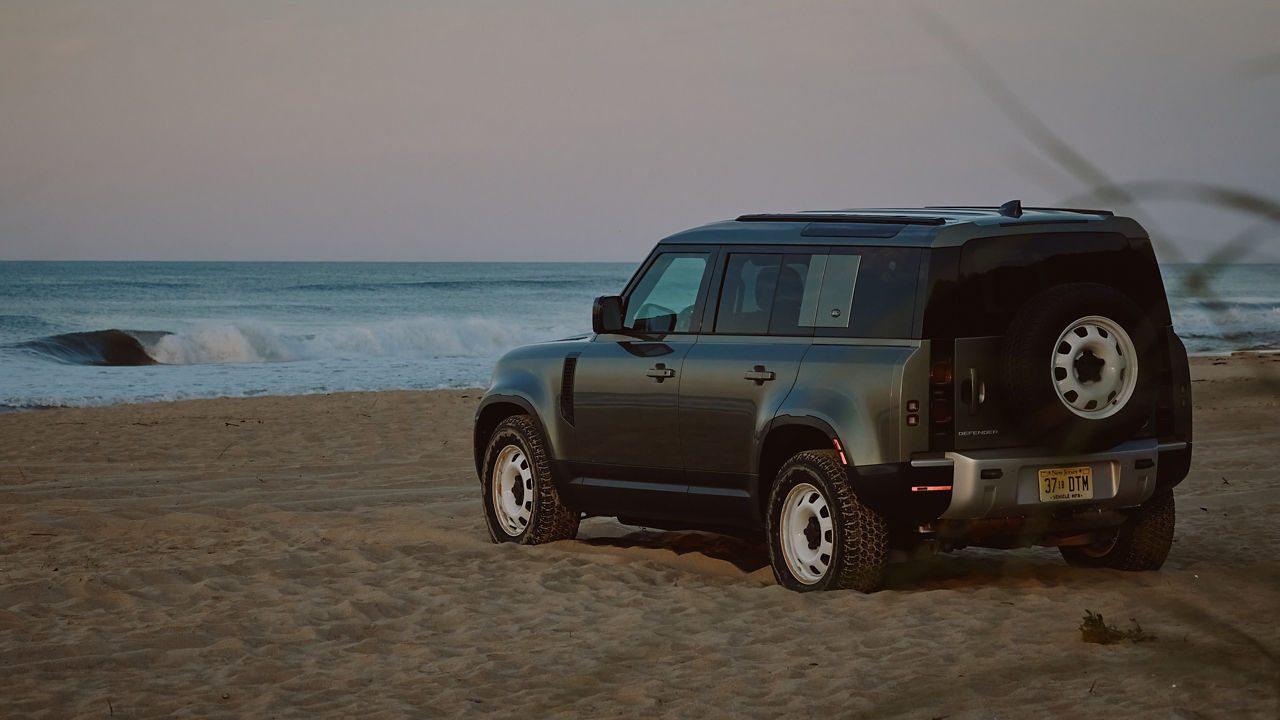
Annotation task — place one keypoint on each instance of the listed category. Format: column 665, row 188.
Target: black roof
column 942, row 226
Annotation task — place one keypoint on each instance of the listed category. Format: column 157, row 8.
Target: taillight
column 941, row 374
column 941, row 400
column 940, row 411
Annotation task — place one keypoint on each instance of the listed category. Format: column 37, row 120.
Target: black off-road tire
column 541, row 516
column 1141, row 543
column 1033, row 401
column 858, row 538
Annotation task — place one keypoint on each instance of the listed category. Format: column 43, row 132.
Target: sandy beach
column 326, row 556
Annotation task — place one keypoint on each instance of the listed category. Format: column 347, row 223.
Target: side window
column 769, row 293
column 865, row 292
column 833, row 304
column 802, row 302
column 882, row 284
column 746, row 295
column 664, row 299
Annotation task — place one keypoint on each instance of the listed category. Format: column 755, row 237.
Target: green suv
column 848, row 382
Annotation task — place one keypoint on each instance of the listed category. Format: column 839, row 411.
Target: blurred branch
column 1108, row 192
column 1041, row 135
column 1027, row 121
column 1241, row 244
column 1189, row 190
column 1249, row 203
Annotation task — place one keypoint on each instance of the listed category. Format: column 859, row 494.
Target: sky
column 588, row 129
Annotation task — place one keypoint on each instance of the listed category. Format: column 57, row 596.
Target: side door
column 626, row 450
column 767, row 305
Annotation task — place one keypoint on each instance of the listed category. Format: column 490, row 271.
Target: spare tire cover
column 1079, row 367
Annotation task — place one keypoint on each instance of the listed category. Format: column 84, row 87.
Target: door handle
column 660, row 372
column 759, row 375
column 973, row 391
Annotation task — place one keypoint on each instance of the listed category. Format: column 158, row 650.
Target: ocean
column 99, row 333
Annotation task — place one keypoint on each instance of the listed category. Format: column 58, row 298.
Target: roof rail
column 843, row 218
column 1082, row 211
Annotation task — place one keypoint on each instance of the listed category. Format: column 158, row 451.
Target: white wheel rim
column 806, row 533
column 512, row 488
column 1094, row 367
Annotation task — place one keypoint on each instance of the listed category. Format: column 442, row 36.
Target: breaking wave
column 1212, row 327
column 258, row 342
column 101, row 347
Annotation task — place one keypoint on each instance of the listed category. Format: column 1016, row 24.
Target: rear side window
column 884, row 299
column 770, row 293
column 746, row 295
column 860, row 292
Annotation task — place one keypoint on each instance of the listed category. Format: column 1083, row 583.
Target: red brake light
column 941, row 401
column 941, row 374
column 940, row 411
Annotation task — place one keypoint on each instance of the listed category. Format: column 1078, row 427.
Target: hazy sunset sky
column 586, row 130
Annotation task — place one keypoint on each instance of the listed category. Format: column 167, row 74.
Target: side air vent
column 566, row 387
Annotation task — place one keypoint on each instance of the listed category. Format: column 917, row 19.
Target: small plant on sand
column 1095, row 629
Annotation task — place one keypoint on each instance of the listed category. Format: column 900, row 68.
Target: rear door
column 979, row 289
column 746, row 360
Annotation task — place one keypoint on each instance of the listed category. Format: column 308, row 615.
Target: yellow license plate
column 1072, row 483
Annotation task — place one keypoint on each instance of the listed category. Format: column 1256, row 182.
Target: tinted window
column 664, row 299
column 769, row 293
column 978, row 292
column 884, row 299
column 796, row 300
column 859, row 292
column 746, row 295
column 833, row 304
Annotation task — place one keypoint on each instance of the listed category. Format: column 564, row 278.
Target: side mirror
column 606, row 314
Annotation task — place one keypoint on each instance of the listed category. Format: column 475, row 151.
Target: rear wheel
column 820, row 536
column 521, row 503
column 1141, row 543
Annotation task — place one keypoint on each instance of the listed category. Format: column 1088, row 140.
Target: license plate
column 1071, row 483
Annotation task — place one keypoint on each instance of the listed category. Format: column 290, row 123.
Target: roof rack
column 843, row 218
column 1082, row 211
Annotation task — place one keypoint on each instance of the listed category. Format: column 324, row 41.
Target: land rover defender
column 842, row 383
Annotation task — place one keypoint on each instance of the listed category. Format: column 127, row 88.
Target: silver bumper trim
column 1123, row 476
column 933, row 462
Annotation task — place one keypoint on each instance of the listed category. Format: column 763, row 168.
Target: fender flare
column 520, row 401
column 766, row 462
column 786, row 420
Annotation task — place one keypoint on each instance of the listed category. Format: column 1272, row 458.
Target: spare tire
column 1079, row 365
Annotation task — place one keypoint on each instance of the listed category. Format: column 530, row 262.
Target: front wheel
column 521, row 504
column 821, row 537
column 1141, row 543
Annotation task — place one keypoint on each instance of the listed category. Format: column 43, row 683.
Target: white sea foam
column 252, row 341
column 279, row 328
column 1211, row 328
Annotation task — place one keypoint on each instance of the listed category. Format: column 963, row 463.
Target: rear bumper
column 1005, row 482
